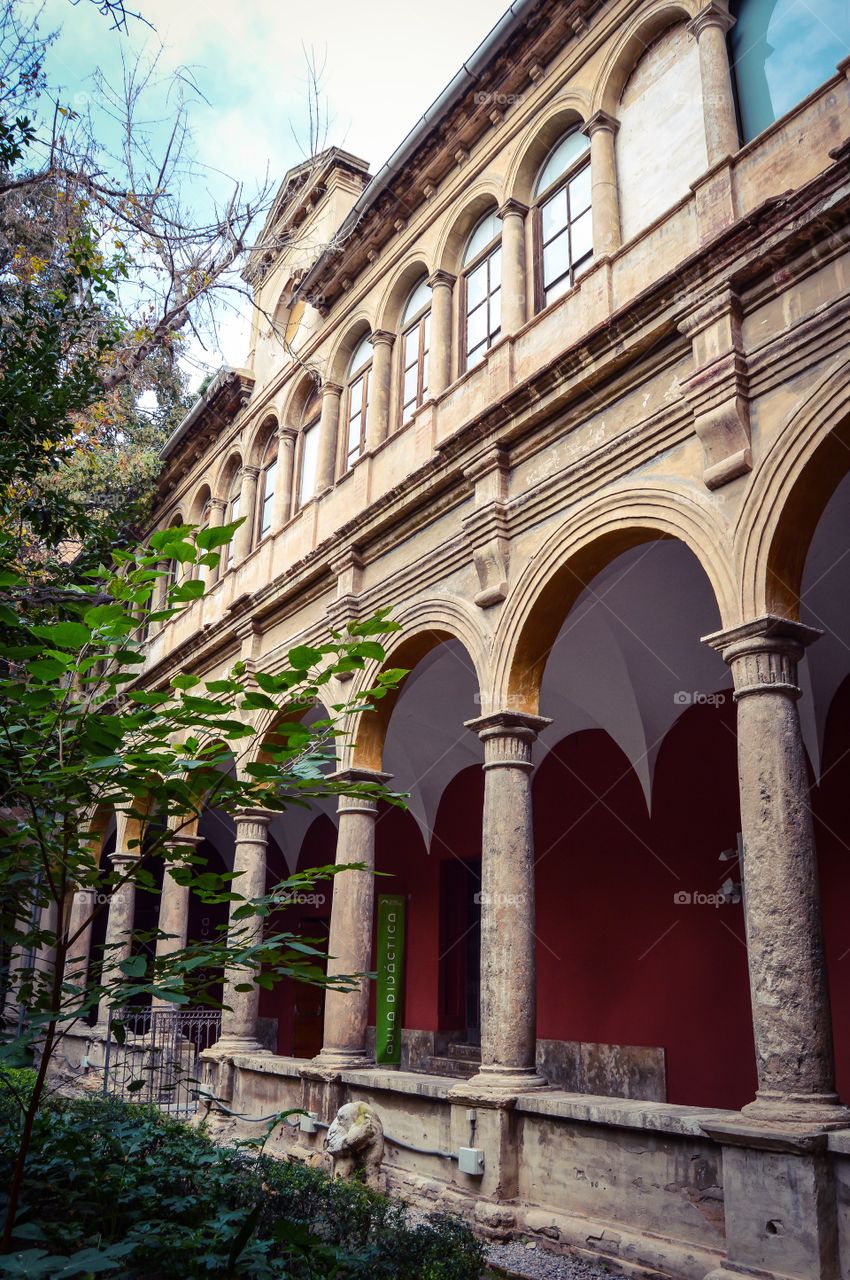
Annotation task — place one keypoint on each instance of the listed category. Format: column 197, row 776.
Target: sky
column 384, row 62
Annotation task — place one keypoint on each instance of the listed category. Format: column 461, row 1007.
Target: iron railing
column 152, row 1056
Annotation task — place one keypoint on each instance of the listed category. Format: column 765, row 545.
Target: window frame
column 418, row 321
column 269, row 463
column 489, row 250
column 360, row 375
column 234, row 495
column 312, row 423
column 542, row 198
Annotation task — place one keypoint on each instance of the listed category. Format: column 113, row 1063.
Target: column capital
column 250, row 472
column 252, row 824
column 600, row 120
column 383, row 337
column 508, row 737
column 512, row 207
column 218, row 504
column 440, row 277
column 331, row 389
column 123, row 859
column 714, row 14
column 287, row 434
column 763, row 654
column 353, row 777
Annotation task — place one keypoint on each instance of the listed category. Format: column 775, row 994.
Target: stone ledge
column 270, row 1064
column 401, row 1082
column 665, row 1117
column 838, row 1141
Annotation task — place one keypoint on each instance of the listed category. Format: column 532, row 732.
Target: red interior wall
column 831, row 811
column 405, row 868
column 317, row 850
column 619, row 961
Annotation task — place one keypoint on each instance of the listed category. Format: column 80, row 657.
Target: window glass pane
column 488, row 229
column 556, row 259
column 476, row 286
column 476, row 330
column 426, row 325
column 558, row 289
column 582, row 236
column 362, row 354
column 781, row 51
column 355, row 397
column 309, row 463
column 580, row 192
column 354, row 435
column 411, row 383
column 495, row 263
column 425, row 373
column 475, row 355
column 554, row 215
column 495, row 314
column 411, row 345
column 271, row 471
column 560, row 158
column 268, row 500
column 419, row 298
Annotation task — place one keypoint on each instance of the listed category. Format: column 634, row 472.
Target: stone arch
column 788, row 495
column 575, row 554
column 654, row 20
column 395, row 297
column 98, row 823
column 263, row 432
column 483, row 197
column 424, row 626
column 357, row 329
column 228, row 468
column 296, row 401
column 267, row 723
column 538, row 140
column 203, row 493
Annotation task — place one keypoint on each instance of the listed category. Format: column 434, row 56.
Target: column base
column 227, row 1046
column 810, row 1111
column 502, row 1082
column 342, row 1060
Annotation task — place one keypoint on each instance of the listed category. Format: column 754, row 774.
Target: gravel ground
column 537, row 1263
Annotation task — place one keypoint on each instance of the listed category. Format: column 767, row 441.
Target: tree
column 78, row 730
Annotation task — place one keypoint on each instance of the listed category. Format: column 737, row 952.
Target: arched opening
column 641, row 954
column 563, row 219
column 357, row 400
column 308, row 447
column 415, row 348
column 781, row 51
column 481, row 289
column 660, row 114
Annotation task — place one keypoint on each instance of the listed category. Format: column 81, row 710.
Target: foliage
column 114, row 1189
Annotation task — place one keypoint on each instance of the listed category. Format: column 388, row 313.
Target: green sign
column 390, row 992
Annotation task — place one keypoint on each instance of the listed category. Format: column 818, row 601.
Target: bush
column 117, row 1189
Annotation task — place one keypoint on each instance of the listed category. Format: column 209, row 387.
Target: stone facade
column 671, row 430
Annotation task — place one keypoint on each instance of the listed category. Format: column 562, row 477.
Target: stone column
column 602, row 130
column 244, row 540
column 328, row 436
column 78, row 955
column 217, row 509
column 378, row 412
column 118, row 943
column 508, row 976
column 350, row 941
column 239, row 1019
column 285, row 475
column 174, row 912
column 788, row 984
column 514, row 285
column 709, row 28
column 440, row 354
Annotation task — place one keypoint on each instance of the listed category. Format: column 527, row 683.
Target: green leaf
column 64, row 635
column 216, row 537
column 188, row 590
column 103, row 613
column 302, row 657
column 185, row 682
column 48, row 668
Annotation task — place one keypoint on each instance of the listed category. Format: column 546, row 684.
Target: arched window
column 268, row 477
column 416, row 332
column 781, row 50
column 564, row 222
column 357, row 402
column 204, row 523
column 309, row 460
column 482, row 288
column 234, row 499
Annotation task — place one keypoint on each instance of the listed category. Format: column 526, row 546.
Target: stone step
column 461, row 1068
column 470, row 1052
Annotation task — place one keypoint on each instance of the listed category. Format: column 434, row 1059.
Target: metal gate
column 151, row 1055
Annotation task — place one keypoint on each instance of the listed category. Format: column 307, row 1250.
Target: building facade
column 565, row 384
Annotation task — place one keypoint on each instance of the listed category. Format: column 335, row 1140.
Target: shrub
column 118, row 1189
